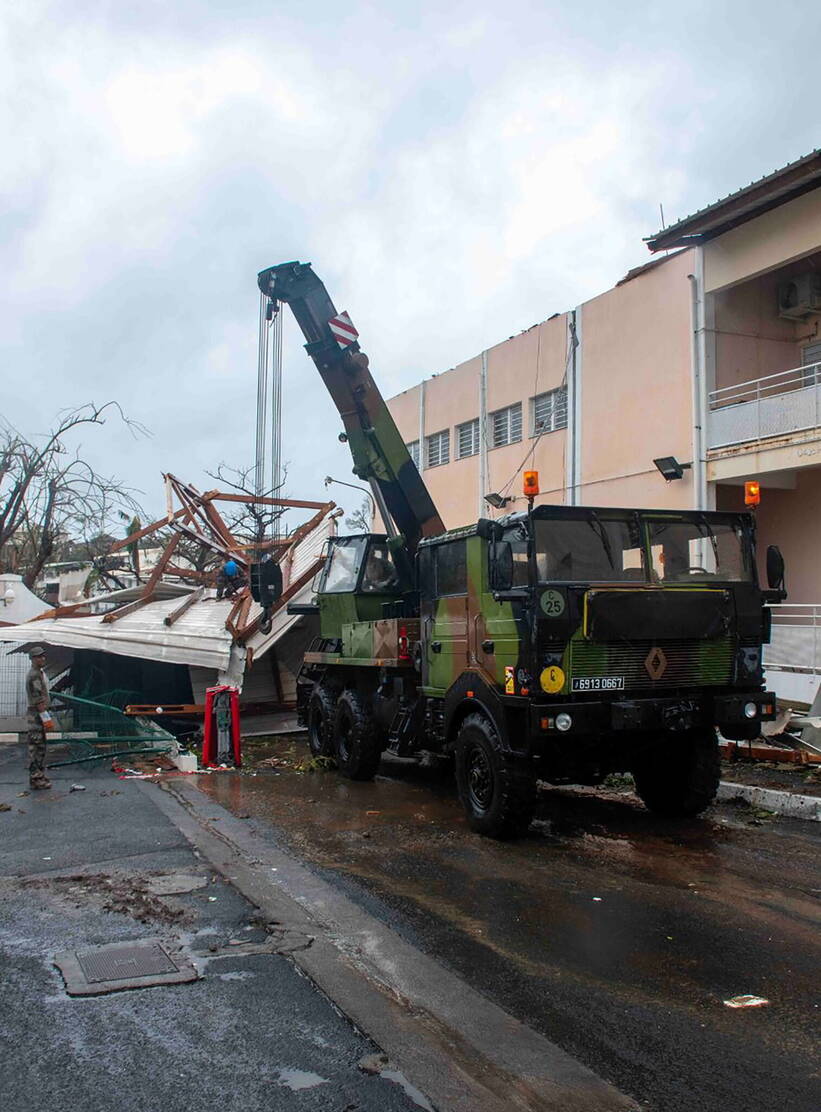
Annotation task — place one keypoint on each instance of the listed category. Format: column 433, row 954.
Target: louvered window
column 413, row 448
column 548, row 411
column 467, row 439
column 811, row 360
column 437, row 448
column 506, row 425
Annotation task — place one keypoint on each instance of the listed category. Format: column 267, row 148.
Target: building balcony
column 780, row 405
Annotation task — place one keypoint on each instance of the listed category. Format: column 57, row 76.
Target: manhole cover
column 125, row 962
column 122, row 965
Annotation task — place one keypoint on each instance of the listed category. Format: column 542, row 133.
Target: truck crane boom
column 379, row 453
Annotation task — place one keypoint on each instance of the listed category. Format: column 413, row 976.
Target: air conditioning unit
column 800, row 297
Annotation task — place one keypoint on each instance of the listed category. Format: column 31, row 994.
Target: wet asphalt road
column 615, row 934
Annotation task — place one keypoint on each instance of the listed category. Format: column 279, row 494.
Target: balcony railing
column 795, row 645
column 778, row 405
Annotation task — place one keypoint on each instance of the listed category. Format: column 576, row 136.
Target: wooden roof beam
column 184, row 606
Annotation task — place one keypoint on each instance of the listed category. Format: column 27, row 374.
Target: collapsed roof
column 193, row 626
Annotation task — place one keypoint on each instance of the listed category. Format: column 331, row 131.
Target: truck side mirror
column 775, row 568
column 501, row 566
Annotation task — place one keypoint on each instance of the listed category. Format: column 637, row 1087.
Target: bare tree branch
column 50, row 497
column 249, row 522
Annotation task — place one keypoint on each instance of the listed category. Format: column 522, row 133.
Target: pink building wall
column 790, row 519
column 519, row 369
column 636, row 388
column 635, row 373
column 751, row 340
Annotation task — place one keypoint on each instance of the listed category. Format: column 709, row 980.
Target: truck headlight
column 750, row 710
column 563, row 722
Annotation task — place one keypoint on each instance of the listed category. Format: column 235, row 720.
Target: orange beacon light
column 752, row 493
column 530, row 485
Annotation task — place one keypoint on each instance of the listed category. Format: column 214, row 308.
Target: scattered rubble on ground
column 124, row 895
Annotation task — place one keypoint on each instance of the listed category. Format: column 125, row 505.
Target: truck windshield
column 611, row 547
column 692, row 551
column 591, row 549
column 345, row 558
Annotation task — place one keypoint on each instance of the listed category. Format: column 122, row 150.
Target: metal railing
column 777, row 405
column 795, row 645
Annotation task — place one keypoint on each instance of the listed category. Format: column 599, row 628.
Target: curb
column 456, row 1046
column 771, row 799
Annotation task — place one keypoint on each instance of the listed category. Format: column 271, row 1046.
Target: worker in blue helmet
column 230, row 579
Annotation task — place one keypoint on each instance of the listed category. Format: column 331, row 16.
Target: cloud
column 454, row 174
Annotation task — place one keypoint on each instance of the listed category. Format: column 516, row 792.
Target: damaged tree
column 50, row 496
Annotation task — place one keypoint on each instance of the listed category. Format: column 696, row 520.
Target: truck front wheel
column 321, row 721
column 679, row 776
column 356, row 738
column 498, row 800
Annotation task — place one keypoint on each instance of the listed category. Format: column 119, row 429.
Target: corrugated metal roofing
column 744, row 204
column 199, row 637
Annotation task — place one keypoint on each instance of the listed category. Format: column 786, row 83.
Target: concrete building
column 710, row 353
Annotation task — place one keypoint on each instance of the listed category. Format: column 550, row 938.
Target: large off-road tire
column 499, row 799
column 356, row 739
column 679, row 776
column 320, row 717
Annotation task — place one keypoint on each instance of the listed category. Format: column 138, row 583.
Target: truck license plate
column 597, row 683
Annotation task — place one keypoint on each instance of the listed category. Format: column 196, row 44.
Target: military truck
column 557, row 643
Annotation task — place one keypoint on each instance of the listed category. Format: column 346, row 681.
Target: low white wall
column 792, row 687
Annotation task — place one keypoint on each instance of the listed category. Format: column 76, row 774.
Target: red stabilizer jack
column 221, row 740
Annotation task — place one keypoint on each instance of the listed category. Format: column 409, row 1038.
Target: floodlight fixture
column 670, row 467
column 498, row 501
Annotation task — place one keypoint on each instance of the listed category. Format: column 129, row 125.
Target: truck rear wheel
column 321, row 706
column 499, row 803
column 679, row 776
column 356, row 738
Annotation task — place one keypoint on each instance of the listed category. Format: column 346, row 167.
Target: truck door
column 444, row 614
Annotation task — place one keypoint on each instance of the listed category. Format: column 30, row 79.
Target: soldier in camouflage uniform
column 38, row 701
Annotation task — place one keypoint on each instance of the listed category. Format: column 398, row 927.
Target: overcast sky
column 455, row 172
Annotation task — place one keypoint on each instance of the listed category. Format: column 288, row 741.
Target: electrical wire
column 563, row 385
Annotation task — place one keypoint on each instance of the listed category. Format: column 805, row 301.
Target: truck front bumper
column 738, row 714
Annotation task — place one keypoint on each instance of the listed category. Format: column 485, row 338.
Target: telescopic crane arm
column 379, row 453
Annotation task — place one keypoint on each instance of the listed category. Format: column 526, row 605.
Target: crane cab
column 359, row 578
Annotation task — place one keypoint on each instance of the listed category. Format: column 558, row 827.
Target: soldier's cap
column 36, row 650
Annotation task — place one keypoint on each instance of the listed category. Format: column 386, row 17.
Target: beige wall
column 790, row 519
column 635, row 373
column 769, row 241
column 636, row 402
column 451, row 398
column 517, row 369
column 751, row 340
column 636, row 388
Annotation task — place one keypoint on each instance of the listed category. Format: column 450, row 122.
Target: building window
column 811, row 361
column 437, row 448
column 548, row 411
column 506, row 425
column 467, row 439
column 413, row 448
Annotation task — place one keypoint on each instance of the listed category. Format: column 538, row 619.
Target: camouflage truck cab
column 561, row 644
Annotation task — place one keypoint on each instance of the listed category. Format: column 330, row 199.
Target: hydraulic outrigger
column 561, row 643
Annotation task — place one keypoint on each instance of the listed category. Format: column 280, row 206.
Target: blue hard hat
column 230, row 567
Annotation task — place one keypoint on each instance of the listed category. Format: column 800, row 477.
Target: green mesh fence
column 98, row 729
